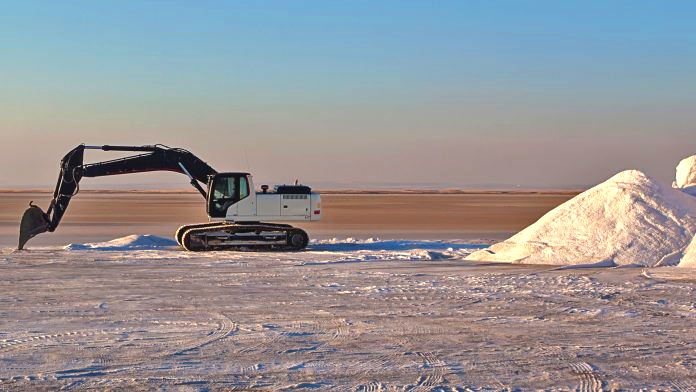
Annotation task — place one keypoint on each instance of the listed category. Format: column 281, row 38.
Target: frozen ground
column 345, row 315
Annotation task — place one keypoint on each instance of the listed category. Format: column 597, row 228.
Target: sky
column 355, row 94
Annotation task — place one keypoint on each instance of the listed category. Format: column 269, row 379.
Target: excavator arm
column 73, row 169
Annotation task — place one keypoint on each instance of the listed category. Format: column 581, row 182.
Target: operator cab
column 224, row 190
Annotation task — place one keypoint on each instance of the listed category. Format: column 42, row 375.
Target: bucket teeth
column 33, row 222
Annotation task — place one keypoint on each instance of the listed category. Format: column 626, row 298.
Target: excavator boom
column 72, row 170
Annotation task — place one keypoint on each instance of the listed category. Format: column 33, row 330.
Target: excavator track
column 183, row 229
column 243, row 236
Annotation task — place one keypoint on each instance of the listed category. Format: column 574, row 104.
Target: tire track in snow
column 388, row 358
column 684, row 385
column 363, row 371
column 38, row 340
column 100, row 364
column 434, row 375
column 370, row 387
column 589, row 379
column 265, row 343
column 225, row 328
column 341, row 332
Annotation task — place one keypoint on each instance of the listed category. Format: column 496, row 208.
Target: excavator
column 235, row 209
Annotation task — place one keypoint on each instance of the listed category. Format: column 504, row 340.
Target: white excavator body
column 232, row 198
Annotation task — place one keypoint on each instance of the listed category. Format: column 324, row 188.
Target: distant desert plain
column 475, row 216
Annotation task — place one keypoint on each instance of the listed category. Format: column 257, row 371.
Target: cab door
column 222, row 193
column 246, row 207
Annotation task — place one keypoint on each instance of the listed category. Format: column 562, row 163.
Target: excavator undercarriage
column 241, row 236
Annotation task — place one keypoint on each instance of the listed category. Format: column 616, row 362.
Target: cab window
column 243, row 188
column 224, row 188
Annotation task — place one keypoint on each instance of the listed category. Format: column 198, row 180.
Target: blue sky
column 465, row 93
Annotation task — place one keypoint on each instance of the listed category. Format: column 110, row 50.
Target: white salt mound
column 628, row 219
column 686, row 175
column 689, row 259
column 131, row 242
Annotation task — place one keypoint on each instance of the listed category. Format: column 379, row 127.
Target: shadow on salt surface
column 371, row 244
column 351, row 250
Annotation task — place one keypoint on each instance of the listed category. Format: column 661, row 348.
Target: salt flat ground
column 365, row 316
column 394, row 315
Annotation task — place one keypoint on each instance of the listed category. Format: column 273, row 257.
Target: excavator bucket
column 33, row 222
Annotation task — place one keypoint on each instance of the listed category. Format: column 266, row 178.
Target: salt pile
column 131, row 242
column 689, row 259
column 628, row 219
column 686, row 181
column 686, row 175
